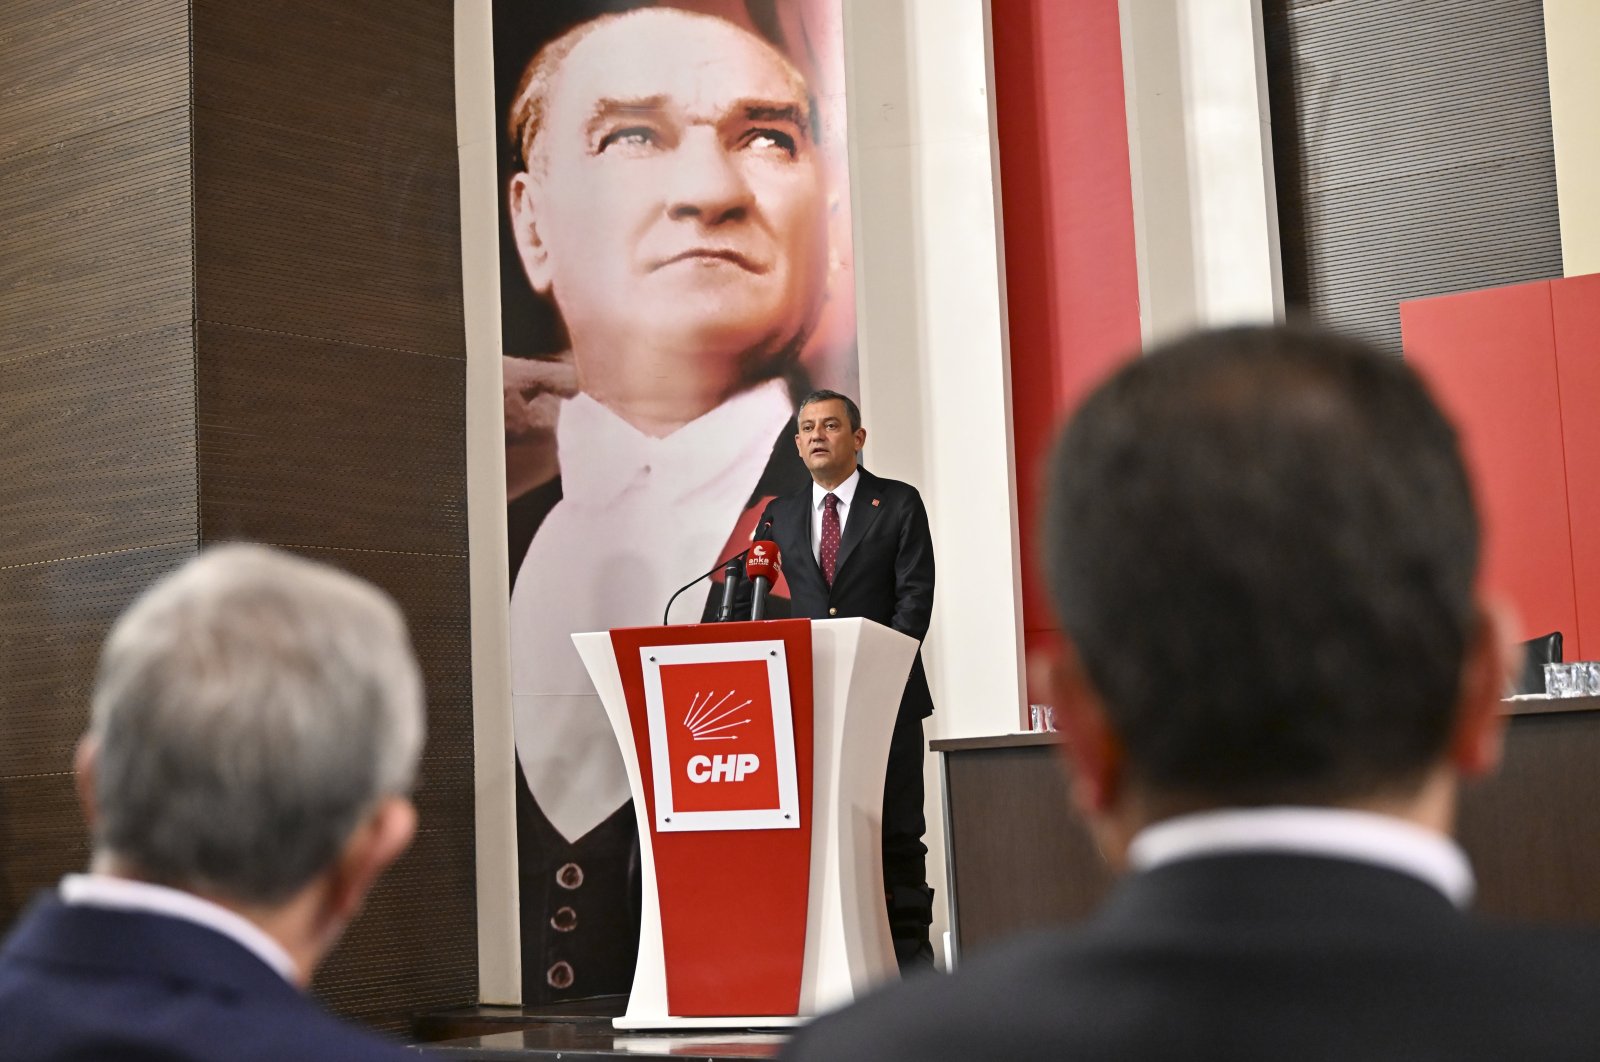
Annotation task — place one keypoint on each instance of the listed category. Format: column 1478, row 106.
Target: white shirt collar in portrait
column 1338, row 833
column 638, row 518
column 846, row 493
column 123, row 894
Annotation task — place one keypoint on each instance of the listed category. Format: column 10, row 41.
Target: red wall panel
column 1575, row 312
column 1071, row 284
column 1491, row 359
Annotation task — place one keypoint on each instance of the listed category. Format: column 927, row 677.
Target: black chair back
column 1545, row 649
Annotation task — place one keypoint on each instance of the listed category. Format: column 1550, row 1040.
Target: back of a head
column 249, row 708
column 1262, row 544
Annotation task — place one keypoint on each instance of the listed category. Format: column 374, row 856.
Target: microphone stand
column 736, row 557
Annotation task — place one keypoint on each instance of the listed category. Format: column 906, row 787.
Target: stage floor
column 584, row 1043
column 579, row 1032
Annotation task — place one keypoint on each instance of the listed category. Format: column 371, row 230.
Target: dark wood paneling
column 97, row 447
column 95, row 236
column 1412, row 151
column 414, row 949
column 1020, row 857
column 325, row 142
column 311, row 442
column 1531, row 830
column 52, row 619
column 331, row 402
column 71, row 66
column 300, row 233
column 97, row 470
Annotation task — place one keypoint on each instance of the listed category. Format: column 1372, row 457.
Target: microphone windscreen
column 762, row 560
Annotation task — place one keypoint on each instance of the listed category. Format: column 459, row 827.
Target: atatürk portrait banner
column 676, row 272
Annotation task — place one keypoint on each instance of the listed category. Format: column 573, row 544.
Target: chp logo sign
column 721, row 736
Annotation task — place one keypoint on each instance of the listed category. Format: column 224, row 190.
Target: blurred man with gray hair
column 255, row 729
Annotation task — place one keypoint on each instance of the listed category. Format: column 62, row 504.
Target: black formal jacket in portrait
column 1242, row 957
column 884, row 571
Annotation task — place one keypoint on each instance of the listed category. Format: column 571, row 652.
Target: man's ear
column 376, row 843
column 1091, row 747
column 1490, row 660
column 531, row 247
column 85, row 762
column 861, row 439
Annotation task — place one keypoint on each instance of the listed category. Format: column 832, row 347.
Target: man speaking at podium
column 855, row 544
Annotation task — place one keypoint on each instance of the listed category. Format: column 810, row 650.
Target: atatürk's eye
column 770, row 140
column 629, row 138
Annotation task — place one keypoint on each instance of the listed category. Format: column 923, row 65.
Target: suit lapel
column 801, row 519
column 864, row 509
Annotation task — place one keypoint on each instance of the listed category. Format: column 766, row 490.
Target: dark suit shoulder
column 1290, row 984
column 81, row 982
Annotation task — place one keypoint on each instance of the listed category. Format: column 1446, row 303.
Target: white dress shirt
column 638, row 517
column 122, row 894
column 846, row 493
column 1358, row 836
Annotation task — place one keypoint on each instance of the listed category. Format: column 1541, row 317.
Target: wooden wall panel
column 1530, row 830
column 95, row 236
column 414, row 948
column 331, row 405
column 97, row 469
column 53, row 617
column 74, row 66
column 316, row 442
column 97, row 446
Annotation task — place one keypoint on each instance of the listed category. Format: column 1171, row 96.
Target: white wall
column 1572, row 32
column 935, row 385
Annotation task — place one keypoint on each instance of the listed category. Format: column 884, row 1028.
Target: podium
column 755, row 753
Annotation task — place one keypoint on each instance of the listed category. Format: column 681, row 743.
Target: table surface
column 1022, row 739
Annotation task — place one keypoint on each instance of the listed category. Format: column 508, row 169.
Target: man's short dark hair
column 825, row 395
column 1262, row 542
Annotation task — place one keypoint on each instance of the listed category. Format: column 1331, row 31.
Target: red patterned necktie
column 829, row 552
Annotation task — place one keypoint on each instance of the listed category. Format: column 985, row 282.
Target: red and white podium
column 756, row 756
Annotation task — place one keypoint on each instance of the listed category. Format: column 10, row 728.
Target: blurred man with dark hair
column 1277, row 672
column 255, row 730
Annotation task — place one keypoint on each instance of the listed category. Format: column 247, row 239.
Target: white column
column 494, row 771
column 1199, row 138
column 935, row 379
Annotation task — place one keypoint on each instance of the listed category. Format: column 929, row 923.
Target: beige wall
column 1572, row 34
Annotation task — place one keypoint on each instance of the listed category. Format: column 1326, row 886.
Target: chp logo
column 724, row 726
column 707, row 720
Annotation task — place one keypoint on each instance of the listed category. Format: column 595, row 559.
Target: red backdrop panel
column 1072, row 288
column 733, row 902
column 1491, row 358
column 1575, row 310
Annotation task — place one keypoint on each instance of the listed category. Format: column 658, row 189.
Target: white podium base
column 750, row 1022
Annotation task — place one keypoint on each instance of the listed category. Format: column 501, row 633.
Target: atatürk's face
column 674, row 200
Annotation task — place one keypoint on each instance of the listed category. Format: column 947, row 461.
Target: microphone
column 761, row 567
column 730, row 590
column 731, row 563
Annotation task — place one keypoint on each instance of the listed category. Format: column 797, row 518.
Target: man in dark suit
column 1277, row 671
column 255, row 728
column 856, row 544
